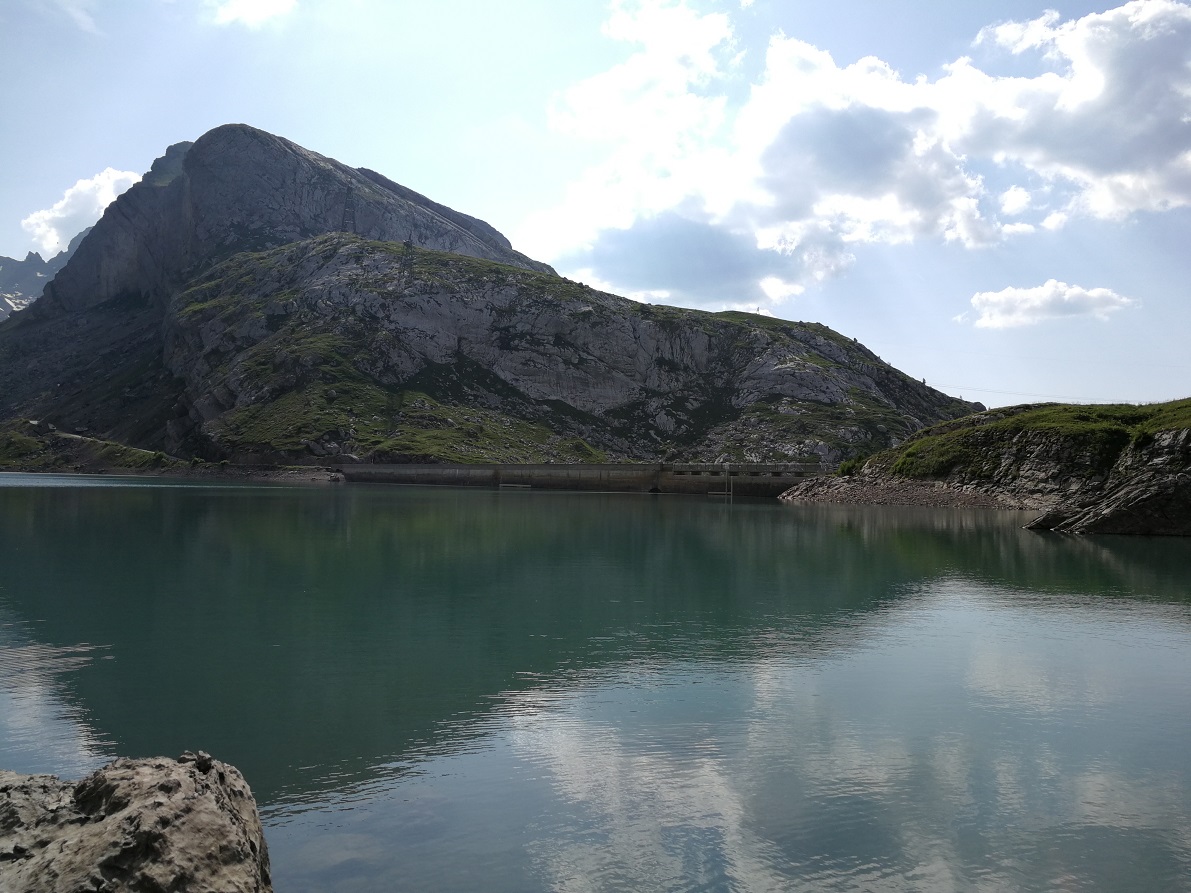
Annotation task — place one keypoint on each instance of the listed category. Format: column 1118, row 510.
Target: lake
column 446, row 689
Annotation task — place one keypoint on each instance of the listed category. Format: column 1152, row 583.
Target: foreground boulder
column 148, row 825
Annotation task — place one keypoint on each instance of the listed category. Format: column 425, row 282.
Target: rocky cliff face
column 254, row 301
column 387, row 351
column 1092, row 469
column 1147, row 492
column 238, row 188
column 156, row 826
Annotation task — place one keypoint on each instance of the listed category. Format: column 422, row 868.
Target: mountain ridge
column 252, row 300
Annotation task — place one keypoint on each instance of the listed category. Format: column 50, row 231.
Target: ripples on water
column 468, row 690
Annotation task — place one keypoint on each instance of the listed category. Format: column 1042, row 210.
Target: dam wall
column 745, row 480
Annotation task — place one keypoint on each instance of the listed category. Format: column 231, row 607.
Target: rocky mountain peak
column 237, row 188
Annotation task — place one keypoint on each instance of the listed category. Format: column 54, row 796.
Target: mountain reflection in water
column 448, row 689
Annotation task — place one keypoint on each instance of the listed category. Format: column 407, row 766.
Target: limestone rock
column 150, row 825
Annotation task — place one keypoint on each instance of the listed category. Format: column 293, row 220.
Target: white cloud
column 1114, row 127
column 1018, row 37
column 1014, row 201
column 777, row 289
column 657, row 114
column 1013, row 307
column 80, row 206
column 252, row 13
column 812, row 158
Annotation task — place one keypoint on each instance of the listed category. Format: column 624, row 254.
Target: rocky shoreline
column 243, row 474
column 230, row 473
column 155, row 825
column 1147, row 491
column 898, row 491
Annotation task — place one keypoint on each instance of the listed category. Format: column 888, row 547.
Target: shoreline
column 852, row 490
column 282, row 474
column 861, row 490
column 819, row 490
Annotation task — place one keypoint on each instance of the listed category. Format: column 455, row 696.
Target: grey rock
column 636, row 381
column 152, row 825
column 1148, row 492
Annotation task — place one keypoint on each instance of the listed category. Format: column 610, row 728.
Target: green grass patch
column 18, row 448
column 26, row 447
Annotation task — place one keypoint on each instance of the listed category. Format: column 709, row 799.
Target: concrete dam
column 724, row 479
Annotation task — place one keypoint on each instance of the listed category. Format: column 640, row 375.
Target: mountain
column 251, row 300
column 1092, row 469
column 21, row 281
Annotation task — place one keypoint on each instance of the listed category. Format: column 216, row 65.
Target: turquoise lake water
column 440, row 689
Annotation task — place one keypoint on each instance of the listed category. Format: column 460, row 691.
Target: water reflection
column 41, row 724
column 452, row 689
column 887, row 766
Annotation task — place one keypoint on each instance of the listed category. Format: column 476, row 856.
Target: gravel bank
column 863, row 490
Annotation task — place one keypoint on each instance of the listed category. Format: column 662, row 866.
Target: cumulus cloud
column 1113, row 128
column 1014, row 307
column 252, row 13
column 80, row 206
column 812, row 157
column 657, row 113
column 1014, row 201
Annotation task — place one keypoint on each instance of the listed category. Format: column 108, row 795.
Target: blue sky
column 995, row 197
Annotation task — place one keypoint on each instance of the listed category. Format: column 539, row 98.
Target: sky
column 993, row 197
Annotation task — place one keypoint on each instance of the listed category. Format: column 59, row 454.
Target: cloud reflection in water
column 951, row 743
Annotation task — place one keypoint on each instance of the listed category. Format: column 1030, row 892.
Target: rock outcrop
column 153, row 826
column 1108, row 469
column 1147, row 492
